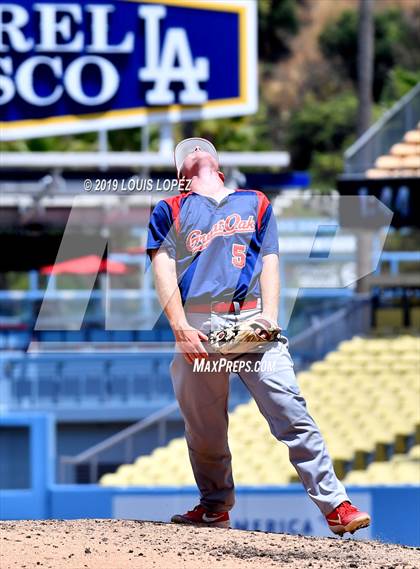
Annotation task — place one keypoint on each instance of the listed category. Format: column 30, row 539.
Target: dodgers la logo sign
column 78, row 66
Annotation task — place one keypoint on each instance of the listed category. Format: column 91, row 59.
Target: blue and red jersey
column 218, row 247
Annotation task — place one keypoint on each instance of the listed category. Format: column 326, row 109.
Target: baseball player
column 215, row 259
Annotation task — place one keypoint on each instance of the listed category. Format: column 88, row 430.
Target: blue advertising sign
column 69, row 67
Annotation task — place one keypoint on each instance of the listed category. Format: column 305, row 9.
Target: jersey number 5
column 238, row 255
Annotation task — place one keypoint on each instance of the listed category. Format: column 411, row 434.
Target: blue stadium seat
column 22, row 386
column 162, row 384
column 76, row 336
column 22, row 390
column 144, row 375
column 46, row 385
column 166, row 335
column 122, row 336
column 47, row 367
column 120, row 378
column 83, row 379
column 70, row 380
column 99, row 336
column 51, row 335
column 14, row 369
column 94, row 379
column 47, row 388
column 3, row 340
column 140, row 335
column 18, row 339
column 146, row 363
column 133, row 377
column 147, row 335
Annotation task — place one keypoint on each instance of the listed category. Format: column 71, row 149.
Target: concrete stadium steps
column 403, row 159
column 364, row 397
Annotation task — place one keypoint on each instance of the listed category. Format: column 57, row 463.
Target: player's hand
column 189, row 340
column 271, row 316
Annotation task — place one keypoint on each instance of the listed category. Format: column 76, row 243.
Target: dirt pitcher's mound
column 121, row 544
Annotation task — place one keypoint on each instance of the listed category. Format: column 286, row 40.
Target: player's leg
column 203, row 399
column 277, row 395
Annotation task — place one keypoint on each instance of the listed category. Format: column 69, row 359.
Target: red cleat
column 199, row 516
column 347, row 518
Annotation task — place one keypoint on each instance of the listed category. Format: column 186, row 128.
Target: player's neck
column 207, row 182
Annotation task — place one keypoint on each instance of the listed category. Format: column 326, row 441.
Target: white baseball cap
column 187, row 146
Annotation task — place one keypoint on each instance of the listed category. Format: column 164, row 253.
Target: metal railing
column 395, row 259
column 388, row 130
column 324, row 335
column 126, row 436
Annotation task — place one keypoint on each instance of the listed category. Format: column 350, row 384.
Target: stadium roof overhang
column 102, row 161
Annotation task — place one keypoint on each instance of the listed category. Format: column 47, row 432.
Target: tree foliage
column 394, row 33
column 321, row 127
column 398, row 83
column 250, row 132
column 277, row 22
column 325, row 124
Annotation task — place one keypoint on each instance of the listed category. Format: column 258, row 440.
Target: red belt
column 222, row 306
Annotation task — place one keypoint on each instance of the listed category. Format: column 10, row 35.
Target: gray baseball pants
column 203, row 400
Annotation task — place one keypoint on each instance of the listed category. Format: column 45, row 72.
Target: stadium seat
column 146, row 336
column 94, row 380
column 403, row 159
column 403, row 149
column 122, row 336
column 374, row 381
column 415, row 316
column 3, row 340
column 401, row 469
column 22, row 391
column 166, row 335
column 412, row 137
column 69, row 388
column 377, row 173
column 391, row 318
column 414, row 453
column 78, row 336
column 51, row 336
column 411, row 162
column 18, row 340
column 388, row 162
column 120, row 379
column 99, row 336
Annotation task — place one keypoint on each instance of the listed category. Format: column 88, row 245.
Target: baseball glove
column 252, row 335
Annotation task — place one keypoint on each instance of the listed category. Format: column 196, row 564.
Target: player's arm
column 270, row 286
column 187, row 338
column 270, row 276
column 164, row 269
